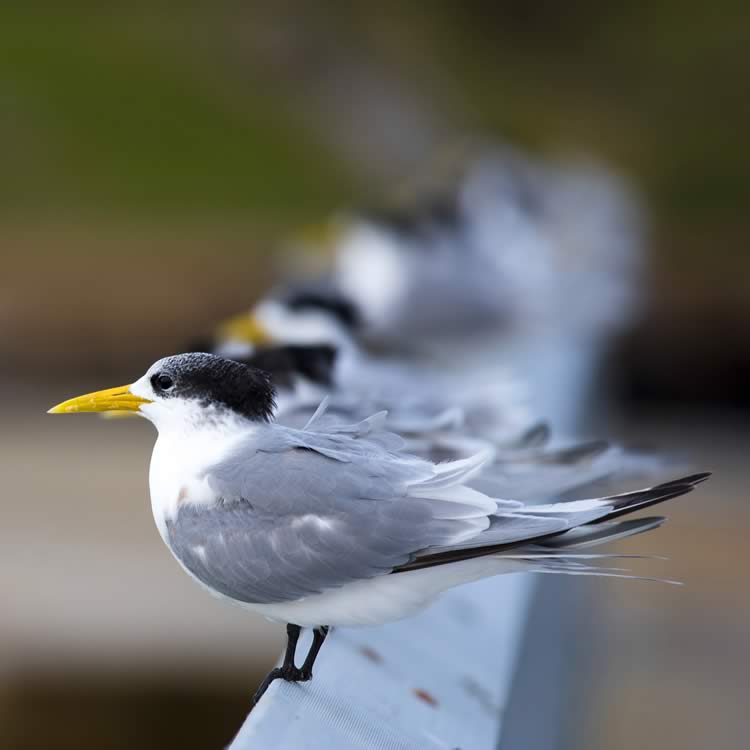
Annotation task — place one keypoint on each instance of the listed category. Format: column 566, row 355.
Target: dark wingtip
column 632, row 502
column 692, row 480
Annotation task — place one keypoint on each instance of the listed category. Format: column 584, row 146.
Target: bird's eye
column 162, row 382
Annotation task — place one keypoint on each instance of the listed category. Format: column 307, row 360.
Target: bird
column 520, row 265
column 492, row 404
column 335, row 524
column 515, row 244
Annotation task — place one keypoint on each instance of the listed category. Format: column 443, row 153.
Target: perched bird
column 417, row 394
column 334, row 524
column 515, row 245
column 520, row 264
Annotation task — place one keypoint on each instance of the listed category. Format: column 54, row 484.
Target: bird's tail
column 560, row 554
column 545, row 535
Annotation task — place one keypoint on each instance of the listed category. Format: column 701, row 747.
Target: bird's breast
column 177, row 477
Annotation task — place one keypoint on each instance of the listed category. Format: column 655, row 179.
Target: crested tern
column 516, row 244
column 335, row 524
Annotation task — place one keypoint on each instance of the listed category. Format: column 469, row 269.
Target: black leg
column 292, row 636
column 287, row 671
column 319, row 636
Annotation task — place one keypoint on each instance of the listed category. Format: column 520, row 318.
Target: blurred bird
column 522, row 265
column 335, row 524
column 492, row 405
column 516, row 244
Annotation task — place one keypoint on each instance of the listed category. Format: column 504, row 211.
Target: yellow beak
column 245, row 328
column 113, row 399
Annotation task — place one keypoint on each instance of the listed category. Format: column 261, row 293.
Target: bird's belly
column 386, row 598
column 357, row 604
column 369, row 601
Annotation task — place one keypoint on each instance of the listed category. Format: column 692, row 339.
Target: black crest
column 326, row 299
column 214, row 380
column 283, row 363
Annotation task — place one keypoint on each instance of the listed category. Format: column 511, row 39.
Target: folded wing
column 299, row 512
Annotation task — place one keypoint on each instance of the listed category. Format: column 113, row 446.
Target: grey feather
column 600, row 533
column 299, row 512
column 547, row 474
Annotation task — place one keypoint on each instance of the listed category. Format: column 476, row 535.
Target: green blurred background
column 184, row 140
column 154, row 158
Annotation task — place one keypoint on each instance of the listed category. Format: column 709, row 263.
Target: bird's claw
column 288, row 674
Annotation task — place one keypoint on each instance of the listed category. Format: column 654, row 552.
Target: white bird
column 334, row 525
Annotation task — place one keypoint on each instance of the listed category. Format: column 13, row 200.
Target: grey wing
column 260, row 558
column 292, row 522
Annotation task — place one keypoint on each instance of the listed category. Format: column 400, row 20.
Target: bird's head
column 186, row 391
column 301, row 316
column 290, row 364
